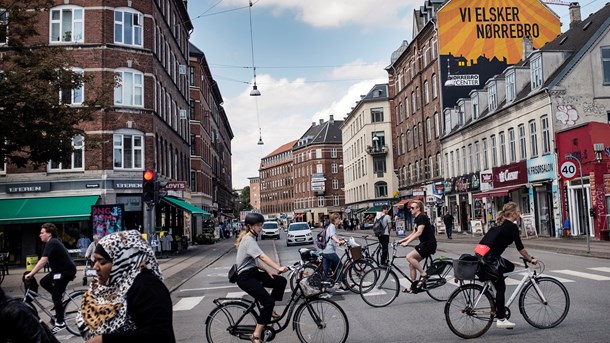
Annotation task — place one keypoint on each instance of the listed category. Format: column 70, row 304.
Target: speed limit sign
column 567, row 170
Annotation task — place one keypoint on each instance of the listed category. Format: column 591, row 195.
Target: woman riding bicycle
column 253, row 277
column 426, row 247
column 330, row 259
column 498, row 239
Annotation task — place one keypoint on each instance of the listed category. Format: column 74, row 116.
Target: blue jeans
column 332, row 263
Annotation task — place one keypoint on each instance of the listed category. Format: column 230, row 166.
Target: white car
column 299, row 233
column 270, row 230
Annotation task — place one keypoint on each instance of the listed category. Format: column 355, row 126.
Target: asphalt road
column 413, row 318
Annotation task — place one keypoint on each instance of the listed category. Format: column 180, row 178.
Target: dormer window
column 536, row 72
column 511, row 87
column 475, row 106
column 492, row 93
column 605, row 64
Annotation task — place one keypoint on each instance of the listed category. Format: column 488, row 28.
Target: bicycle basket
column 466, row 267
column 356, row 253
column 437, row 267
column 309, row 288
column 307, row 255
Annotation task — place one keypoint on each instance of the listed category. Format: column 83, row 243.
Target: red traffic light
column 149, row 175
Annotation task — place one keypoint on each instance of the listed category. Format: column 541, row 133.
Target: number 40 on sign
column 568, row 170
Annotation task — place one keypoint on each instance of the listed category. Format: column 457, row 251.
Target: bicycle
column 371, row 256
column 544, row 302
column 380, row 286
column 314, row 319
column 71, row 304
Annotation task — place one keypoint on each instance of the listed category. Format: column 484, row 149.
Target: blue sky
column 313, row 58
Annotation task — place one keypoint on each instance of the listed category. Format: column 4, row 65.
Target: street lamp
column 582, row 186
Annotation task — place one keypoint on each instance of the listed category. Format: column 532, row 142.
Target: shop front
column 541, row 173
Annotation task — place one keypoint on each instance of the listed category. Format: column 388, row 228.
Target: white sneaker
column 325, row 295
column 505, row 324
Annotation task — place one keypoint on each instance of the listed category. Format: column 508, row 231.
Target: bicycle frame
column 529, row 276
column 393, row 266
column 32, row 298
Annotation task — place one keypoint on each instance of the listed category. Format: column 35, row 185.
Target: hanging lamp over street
column 255, row 91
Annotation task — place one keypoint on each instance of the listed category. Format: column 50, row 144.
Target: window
column 477, row 157
column 429, row 167
column 75, row 160
column 437, row 167
column 494, row 151
column 419, row 134
column 400, row 147
column 512, row 146
column 3, row 32
column 522, row 143
column 511, row 86
column 193, row 145
column 333, row 153
column 378, row 139
column 406, row 106
column 379, row 165
column 413, row 103
column 319, row 169
column 381, row 189
column 485, row 159
column 432, row 43
column 191, row 76
column 67, row 25
column 192, row 109
column 335, row 184
column 464, row 160
column 377, row 115
column 407, row 146
column 320, row 201
column 417, row 170
column 335, row 200
column 130, row 89
column 546, row 135
column 533, row 138
column 437, row 125
column 128, row 27
column 428, row 130
column 502, row 148
column 334, row 168
column 452, row 165
column 128, row 151
column 475, row 106
column 457, row 162
column 434, row 88
column 605, row 63
column 536, row 72
column 72, row 96
column 318, row 153
column 426, row 92
column 493, row 97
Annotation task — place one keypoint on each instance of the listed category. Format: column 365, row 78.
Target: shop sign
column 448, row 186
column 438, row 188
column 487, row 180
column 29, row 188
column 175, row 185
column 510, row 175
column 541, row 168
column 127, row 184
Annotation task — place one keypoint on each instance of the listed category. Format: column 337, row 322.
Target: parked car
column 270, row 230
column 299, row 233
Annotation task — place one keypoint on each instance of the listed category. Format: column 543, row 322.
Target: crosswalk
column 563, row 275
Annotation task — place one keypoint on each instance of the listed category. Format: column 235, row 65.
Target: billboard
column 107, row 219
column 479, row 38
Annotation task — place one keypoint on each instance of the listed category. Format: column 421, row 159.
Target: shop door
column 544, row 212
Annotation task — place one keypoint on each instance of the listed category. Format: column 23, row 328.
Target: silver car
column 270, row 230
column 299, row 233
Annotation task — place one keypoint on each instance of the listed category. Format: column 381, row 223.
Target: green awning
column 373, row 210
column 196, row 211
column 360, row 210
column 40, row 210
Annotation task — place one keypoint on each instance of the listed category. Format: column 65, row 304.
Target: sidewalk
column 176, row 269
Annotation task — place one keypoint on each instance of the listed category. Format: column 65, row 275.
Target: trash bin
column 30, row 262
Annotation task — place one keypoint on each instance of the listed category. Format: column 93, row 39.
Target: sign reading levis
column 510, row 175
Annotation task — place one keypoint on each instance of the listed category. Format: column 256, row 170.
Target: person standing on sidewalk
column 63, row 270
column 384, row 239
column 91, row 249
column 448, row 220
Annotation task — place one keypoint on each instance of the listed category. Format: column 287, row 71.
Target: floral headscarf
column 104, row 307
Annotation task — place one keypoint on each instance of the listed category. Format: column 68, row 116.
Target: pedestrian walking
column 128, row 301
column 384, row 239
column 448, row 220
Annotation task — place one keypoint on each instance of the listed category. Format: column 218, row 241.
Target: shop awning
column 40, row 210
column 196, row 211
column 228, row 215
column 496, row 192
column 401, row 203
column 373, row 210
column 359, row 210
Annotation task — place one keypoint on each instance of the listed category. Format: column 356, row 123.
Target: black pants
column 254, row 281
column 449, row 229
column 384, row 240
column 504, row 266
column 57, row 287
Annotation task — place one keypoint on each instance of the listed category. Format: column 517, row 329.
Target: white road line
column 187, row 304
column 560, row 279
column 206, row 288
column 236, row 294
column 582, row 275
column 601, row 269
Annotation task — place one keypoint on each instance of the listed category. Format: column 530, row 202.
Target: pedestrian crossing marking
column 560, row 279
column 601, row 269
column 236, row 294
column 582, row 275
column 187, row 304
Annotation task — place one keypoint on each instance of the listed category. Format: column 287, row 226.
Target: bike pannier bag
column 233, row 274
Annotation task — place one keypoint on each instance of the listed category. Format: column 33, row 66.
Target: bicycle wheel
column 320, row 320
column 544, row 314
column 468, row 312
column 379, row 287
column 437, row 286
column 305, row 271
column 356, row 271
column 218, row 325
column 71, row 308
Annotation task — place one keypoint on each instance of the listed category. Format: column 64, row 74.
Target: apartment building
column 276, row 183
column 255, row 193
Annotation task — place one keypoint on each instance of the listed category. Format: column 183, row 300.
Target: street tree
column 41, row 100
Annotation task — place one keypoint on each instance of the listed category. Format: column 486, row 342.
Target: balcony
column 377, row 150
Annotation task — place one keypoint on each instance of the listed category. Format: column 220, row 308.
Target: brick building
column 276, row 182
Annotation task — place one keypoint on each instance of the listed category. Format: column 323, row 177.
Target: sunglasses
column 414, row 207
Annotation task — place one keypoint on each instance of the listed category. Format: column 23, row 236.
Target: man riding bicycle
column 426, row 247
column 63, row 270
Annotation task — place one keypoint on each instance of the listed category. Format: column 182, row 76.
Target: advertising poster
column 491, row 34
column 106, row 219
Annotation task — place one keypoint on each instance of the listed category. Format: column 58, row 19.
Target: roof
column 328, row 132
column 281, row 149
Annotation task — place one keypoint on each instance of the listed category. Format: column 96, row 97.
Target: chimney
column 332, row 119
column 574, row 14
column 321, row 121
column 528, row 47
column 313, row 123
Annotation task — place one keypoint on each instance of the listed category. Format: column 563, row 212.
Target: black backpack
column 378, row 228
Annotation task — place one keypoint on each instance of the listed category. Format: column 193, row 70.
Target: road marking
column 582, row 275
column 187, row 304
column 236, row 294
column 560, row 279
column 206, row 288
column 601, row 269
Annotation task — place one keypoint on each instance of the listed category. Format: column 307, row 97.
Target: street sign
column 568, row 170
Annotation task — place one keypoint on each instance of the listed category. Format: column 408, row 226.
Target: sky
column 313, row 58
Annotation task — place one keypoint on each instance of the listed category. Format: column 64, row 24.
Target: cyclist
column 63, row 270
column 498, row 239
column 426, row 247
column 253, row 277
column 330, row 259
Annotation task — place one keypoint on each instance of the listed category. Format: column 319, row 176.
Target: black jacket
column 20, row 323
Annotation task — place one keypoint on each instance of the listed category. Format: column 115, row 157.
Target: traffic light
column 149, row 180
